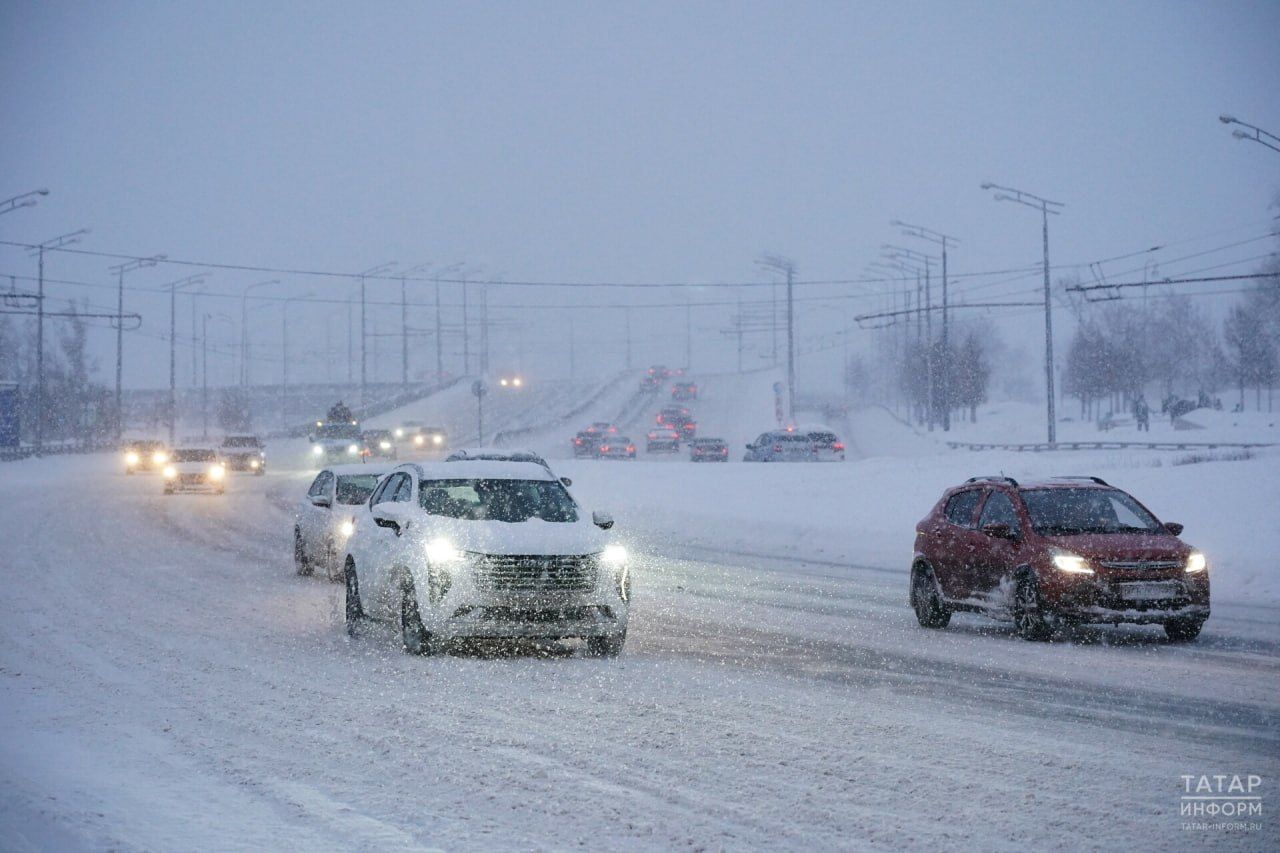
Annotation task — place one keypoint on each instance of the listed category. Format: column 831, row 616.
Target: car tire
column 414, row 636
column 301, row 563
column 606, row 647
column 168, row 491
column 926, row 600
column 1029, row 616
column 353, row 611
column 1183, row 630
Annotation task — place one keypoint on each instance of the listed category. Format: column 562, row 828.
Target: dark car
column 679, row 419
column 662, row 440
column 145, row 455
column 708, row 450
column 780, row 446
column 584, row 443
column 244, row 453
column 380, row 443
column 684, row 391
column 616, row 447
column 1067, row 550
column 827, row 446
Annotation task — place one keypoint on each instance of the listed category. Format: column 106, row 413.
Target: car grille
column 534, row 573
column 1141, row 565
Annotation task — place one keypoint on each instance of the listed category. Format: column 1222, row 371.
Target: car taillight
column 837, row 446
column 724, row 451
column 777, row 448
column 631, row 448
column 604, row 448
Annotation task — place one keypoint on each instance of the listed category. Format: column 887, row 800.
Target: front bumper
column 245, row 462
column 1103, row 599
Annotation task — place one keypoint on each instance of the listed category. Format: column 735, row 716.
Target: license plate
column 1150, row 590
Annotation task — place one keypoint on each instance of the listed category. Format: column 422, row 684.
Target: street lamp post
column 1045, row 207
column 785, row 265
column 906, row 260
column 244, row 328
column 284, row 357
column 55, row 243
column 944, row 241
column 1258, row 135
column 174, row 287
column 25, row 200
column 364, row 341
column 120, row 270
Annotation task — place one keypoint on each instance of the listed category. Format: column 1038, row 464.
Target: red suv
column 1067, row 550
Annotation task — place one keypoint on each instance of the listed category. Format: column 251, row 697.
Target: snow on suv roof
column 476, row 469
column 357, row 468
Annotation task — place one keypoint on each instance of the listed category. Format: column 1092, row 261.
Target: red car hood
column 1124, row 546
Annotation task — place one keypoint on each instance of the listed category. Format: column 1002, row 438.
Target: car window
column 999, row 510
column 380, row 493
column 960, row 507
column 498, row 500
column 403, row 489
column 1065, row 511
column 355, row 489
column 194, row 456
column 317, row 485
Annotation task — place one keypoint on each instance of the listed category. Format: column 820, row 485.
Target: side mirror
column 751, row 447
column 998, row 530
column 321, row 500
column 311, row 438
column 389, row 515
column 1173, row 527
column 566, row 482
column 602, row 520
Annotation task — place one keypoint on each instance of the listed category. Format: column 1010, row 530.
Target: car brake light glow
column 604, row 448
column 777, row 448
column 837, row 446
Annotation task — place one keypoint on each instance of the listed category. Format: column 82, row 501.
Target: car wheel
column 415, row 637
column 301, row 564
column 606, row 647
column 1183, row 630
column 1028, row 615
column 931, row 611
column 168, row 491
column 353, row 610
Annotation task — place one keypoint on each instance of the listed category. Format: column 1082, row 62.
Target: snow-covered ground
column 168, row 682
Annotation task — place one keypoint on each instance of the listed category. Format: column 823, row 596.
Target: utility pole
column 204, row 377
column 572, row 365
column 944, row 241
column 173, row 351
column 626, row 316
column 1046, row 207
column 364, row 334
column 55, row 243
column 905, row 260
column 404, row 339
column 351, row 357
column 785, row 265
column 484, row 329
column 466, row 330
column 120, row 270
column 688, row 334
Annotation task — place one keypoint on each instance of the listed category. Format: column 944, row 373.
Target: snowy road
column 167, row 682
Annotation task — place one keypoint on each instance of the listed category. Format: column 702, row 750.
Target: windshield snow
column 355, row 488
column 194, row 456
column 498, row 500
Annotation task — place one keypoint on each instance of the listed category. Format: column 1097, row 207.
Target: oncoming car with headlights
column 421, row 439
column 145, row 455
column 325, row 517
column 1066, row 550
column 379, row 442
column 337, row 441
column 194, row 468
column 485, row 550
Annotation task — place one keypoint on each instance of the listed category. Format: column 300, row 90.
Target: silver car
column 780, row 446
column 323, row 520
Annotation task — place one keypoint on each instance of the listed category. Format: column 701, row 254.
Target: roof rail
column 1091, row 479
column 996, row 477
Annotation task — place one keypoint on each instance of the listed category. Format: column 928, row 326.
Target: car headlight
column 1196, row 562
column 216, row 472
column 317, row 449
column 170, row 472
column 613, row 555
column 159, row 457
column 347, row 528
column 384, row 445
column 254, row 463
column 1065, row 561
column 353, row 449
column 441, row 552
column 437, row 439
column 131, row 458
column 399, row 433
column 417, row 439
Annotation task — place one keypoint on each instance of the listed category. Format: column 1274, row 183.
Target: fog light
column 170, row 472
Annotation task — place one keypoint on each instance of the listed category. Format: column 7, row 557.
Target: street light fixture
column 1046, row 207
column 25, row 200
column 1257, row 134
column 174, row 287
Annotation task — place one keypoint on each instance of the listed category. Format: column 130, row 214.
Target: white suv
column 479, row 549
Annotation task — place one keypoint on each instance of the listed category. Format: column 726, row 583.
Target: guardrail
column 1036, row 447
column 56, row 448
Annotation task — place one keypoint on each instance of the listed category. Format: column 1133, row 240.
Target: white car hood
column 529, row 537
column 193, row 467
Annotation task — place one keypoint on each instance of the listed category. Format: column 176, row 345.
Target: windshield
column 823, row 437
column 1063, row 512
column 241, row 441
column 498, row 500
column 194, row 456
column 337, row 431
column 355, row 488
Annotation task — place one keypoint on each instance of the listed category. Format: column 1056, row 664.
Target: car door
column 998, row 556
column 953, row 542
column 315, row 519
column 385, row 541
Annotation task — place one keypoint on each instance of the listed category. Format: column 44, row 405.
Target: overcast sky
column 621, row 142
